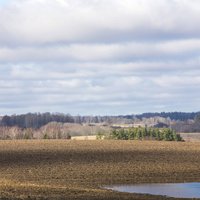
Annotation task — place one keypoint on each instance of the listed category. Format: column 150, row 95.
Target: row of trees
column 190, row 126
column 35, row 120
column 141, row 133
column 10, row 133
column 182, row 116
column 52, row 130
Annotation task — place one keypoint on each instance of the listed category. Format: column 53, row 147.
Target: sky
column 99, row 57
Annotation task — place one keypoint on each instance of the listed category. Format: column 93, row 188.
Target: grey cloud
column 39, row 22
column 126, row 52
column 99, row 57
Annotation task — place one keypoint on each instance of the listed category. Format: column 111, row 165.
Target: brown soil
column 60, row 169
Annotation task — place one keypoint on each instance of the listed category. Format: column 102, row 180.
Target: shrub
column 140, row 133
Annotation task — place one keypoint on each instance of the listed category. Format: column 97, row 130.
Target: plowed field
column 61, row 169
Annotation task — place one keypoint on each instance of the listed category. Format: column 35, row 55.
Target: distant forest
column 37, row 120
column 182, row 116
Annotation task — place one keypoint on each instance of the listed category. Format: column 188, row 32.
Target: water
column 177, row 190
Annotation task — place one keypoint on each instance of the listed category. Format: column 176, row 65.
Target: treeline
column 16, row 133
column 141, row 133
column 182, row 116
column 52, row 130
column 37, row 120
column 34, row 120
column 188, row 126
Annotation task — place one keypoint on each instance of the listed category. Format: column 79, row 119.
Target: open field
column 90, row 137
column 60, row 169
column 191, row 137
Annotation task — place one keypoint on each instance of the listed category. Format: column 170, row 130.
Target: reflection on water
column 179, row 190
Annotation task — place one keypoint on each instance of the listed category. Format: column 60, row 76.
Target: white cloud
column 178, row 81
column 38, row 22
column 99, row 56
column 103, row 52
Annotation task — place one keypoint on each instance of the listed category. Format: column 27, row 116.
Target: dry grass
column 60, row 169
column 191, row 137
column 90, row 137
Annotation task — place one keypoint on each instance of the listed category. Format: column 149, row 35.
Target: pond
column 177, row 190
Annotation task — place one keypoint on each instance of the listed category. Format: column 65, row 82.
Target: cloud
column 99, row 57
column 115, row 52
column 39, row 22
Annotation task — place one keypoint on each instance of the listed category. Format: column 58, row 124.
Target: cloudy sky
column 99, row 56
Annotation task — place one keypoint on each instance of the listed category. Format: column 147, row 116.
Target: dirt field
column 59, row 169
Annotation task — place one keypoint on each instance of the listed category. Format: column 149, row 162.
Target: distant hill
column 182, row 116
column 37, row 120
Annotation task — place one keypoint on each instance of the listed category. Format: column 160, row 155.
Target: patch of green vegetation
column 100, row 136
column 141, row 133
